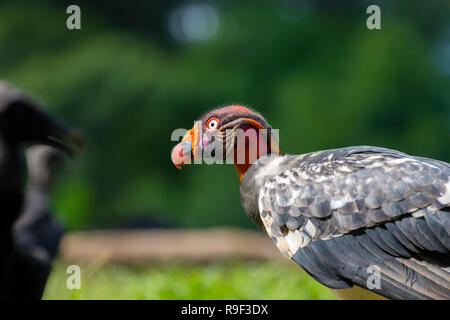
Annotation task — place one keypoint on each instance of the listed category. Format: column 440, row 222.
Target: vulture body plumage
column 356, row 219
column 346, row 214
column 36, row 233
column 22, row 123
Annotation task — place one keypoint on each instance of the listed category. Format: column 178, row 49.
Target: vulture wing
column 368, row 216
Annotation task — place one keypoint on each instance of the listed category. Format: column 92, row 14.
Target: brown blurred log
column 198, row 245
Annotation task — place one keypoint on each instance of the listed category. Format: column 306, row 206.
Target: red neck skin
column 262, row 148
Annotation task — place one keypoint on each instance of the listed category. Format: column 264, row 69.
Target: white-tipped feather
column 445, row 198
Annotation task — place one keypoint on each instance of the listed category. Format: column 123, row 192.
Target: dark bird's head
column 233, row 133
column 23, row 122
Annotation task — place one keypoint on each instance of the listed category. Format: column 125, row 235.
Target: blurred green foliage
column 216, row 281
column 312, row 68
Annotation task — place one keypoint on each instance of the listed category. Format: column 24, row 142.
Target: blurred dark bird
column 366, row 222
column 37, row 233
column 22, row 123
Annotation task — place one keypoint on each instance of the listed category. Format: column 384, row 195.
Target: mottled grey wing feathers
column 339, row 212
column 355, row 257
column 439, row 223
column 344, row 193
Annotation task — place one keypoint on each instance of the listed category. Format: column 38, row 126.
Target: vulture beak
column 62, row 138
column 187, row 149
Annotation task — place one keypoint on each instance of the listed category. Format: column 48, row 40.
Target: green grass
column 218, row 280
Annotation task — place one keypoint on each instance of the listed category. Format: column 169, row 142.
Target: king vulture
column 367, row 222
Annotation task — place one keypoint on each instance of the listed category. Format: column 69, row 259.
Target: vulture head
column 233, row 133
column 23, row 122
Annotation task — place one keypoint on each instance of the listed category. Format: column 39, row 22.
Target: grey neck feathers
column 257, row 174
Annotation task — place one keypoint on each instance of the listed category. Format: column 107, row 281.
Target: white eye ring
column 213, row 124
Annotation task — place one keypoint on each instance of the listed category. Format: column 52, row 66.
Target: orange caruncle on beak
column 182, row 152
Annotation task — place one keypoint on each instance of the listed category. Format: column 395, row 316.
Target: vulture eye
column 212, row 123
